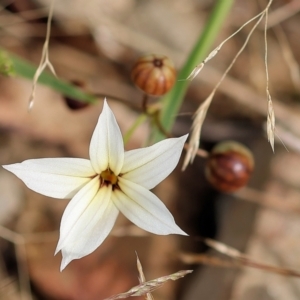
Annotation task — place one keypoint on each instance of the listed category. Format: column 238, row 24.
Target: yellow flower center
column 108, row 176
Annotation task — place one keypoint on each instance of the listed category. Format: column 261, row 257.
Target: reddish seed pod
column 229, row 166
column 75, row 104
column 154, row 74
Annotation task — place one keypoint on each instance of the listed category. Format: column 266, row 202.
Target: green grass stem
column 173, row 100
column 25, row 69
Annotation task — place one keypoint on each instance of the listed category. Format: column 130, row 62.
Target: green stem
column 141, row 119
column 25, row 69
column 173, row 100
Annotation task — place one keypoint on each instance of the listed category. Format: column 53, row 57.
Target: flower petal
column 107, row 148
column 86, row 222
column 54, row 177
column 149, row 166
column 144, row 209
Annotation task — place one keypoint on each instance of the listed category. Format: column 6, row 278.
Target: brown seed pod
column 154, row 74
column 229, row 166
column 75, row 104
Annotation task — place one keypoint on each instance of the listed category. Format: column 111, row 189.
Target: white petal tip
column 65, row 261
column 7, row 167
column 179, row 231
column 183, row 139
column 175, row 229
column 105, row 105
column 106, row 109
column 56, row 251
column 183, row 233
column 185, row 136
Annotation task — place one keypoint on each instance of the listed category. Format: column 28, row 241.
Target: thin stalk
column 25, row 69
column 173, row 100
column 141, row 119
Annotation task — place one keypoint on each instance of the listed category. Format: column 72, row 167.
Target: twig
column 44, row 59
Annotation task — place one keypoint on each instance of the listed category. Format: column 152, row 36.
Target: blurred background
column 94, row 45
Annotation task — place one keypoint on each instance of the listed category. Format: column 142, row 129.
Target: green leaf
column 6, row 64
column 25, row 69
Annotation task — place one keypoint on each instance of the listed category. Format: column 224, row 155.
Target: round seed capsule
column 229, row 166
column 154, row 74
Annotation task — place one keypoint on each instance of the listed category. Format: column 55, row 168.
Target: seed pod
column 154, row 74
column 75, row 104
column 229, row 166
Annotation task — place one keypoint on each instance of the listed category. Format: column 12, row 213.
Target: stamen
column 109, row 177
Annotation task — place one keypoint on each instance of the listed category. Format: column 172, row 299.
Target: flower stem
column 173, row 100
column 141, row 119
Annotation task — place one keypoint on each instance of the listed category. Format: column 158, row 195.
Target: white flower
column 111, row 181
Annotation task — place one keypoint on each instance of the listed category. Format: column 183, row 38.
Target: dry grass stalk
column 288, row 137
column 270, row 121
column 142, row 278
column 146, row 287
column 213, row 53
column 271, row 114
column 202, row 110
column 284, row 12
column 204, row 259
column 19, row 241
column 45, row 62
column 210, row 260
column 199, row 117
column 247, row 261
column 149, row 286
column 51, row 236
column 266, row 200
column 289, row 57
column 239, row 259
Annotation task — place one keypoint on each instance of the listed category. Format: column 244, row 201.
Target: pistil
column 109, row 177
